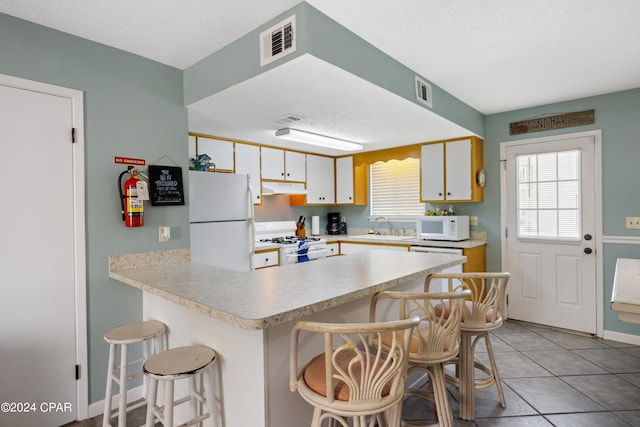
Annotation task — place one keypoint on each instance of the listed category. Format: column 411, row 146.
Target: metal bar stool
column 194, row 363
column 145, row 332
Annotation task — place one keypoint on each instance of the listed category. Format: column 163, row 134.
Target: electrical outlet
column 164, row 234
column 473, row 220
column 633, row 222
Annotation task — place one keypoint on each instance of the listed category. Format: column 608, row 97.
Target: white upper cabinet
column 272, row 163
column 295, row 167
column 448, row 171
column 221, row 152
column 344, row 180
column 458, row 170
column 282, row 165
column 320, row 180
column 248, row 162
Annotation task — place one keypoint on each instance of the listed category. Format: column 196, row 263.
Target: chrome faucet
column 391, row 227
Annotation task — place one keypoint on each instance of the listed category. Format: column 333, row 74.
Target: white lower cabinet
column 333, row 249
column 347, row 248
column 266, row 258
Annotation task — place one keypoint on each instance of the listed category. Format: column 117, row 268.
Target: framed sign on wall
column 166, row 185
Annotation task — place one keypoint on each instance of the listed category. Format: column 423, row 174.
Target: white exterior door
column 38, row 350
column 551, row 233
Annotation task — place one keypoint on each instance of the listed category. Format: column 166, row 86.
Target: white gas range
column 292, row 249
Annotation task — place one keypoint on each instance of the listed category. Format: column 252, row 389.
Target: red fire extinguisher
column 131, row 202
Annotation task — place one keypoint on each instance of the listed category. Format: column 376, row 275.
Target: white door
column 550, row 244
column 37, row 307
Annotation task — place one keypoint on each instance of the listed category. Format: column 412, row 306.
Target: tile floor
column 550, row 377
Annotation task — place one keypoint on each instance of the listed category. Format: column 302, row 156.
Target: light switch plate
column 473, row 220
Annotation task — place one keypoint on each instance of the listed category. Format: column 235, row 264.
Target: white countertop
column 262, row 298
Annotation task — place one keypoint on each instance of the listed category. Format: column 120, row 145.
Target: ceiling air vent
column 287, row 120
column 278, row 41
column 423, row 92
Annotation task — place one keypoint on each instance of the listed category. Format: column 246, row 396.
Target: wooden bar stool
column 194, row 363
column 482, row 313
column 435, row 340
column 146, row 332
column 354, row 378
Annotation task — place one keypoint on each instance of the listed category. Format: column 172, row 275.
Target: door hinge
column 77, row 372
column 506, row 233
column 73, row 135
column 504, row 163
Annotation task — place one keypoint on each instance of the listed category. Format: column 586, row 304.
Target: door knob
column 588, row 251
column 587, row 237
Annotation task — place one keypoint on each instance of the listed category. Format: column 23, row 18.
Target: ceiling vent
column 287, row 120
column 278, row 41
column 423, row 92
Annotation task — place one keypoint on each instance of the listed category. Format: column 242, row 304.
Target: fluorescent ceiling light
column 315, row 139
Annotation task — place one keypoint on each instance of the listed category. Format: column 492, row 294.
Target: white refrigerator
column 221, row 219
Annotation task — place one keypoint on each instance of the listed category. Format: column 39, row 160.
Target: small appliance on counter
column 333, row 223
column 343, row 225
column 315, row 225
column 453, row 228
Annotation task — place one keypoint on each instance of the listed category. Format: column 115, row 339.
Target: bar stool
column 435, row 341
column 354, row 378
column 145, row 332
column 194, row 363
column 482, row 313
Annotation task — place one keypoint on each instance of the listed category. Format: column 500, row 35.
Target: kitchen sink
column 381, row 237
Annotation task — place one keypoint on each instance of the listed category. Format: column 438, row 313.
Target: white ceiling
column 494, row 55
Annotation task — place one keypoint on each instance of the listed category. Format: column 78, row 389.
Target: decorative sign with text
column 559, row 121
column 165, row 184
column 118, row 160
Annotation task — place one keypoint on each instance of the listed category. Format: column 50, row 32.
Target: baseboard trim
column 620, row 337
column 134, row 394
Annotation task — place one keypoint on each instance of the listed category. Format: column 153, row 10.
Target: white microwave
column 454, row 228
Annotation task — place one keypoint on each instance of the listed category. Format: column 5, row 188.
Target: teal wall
column 319, row 35
column 617, row 115
column 133, row 108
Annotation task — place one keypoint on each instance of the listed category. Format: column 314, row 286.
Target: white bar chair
column 152, row 335
column 194, row 363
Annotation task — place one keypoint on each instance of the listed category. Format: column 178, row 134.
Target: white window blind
column 549, row 195
column 395, row 188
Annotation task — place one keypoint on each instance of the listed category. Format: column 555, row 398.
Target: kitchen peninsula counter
column 247, row 317
column 266, row 297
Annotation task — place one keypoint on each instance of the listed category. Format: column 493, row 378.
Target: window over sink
column 395, row 188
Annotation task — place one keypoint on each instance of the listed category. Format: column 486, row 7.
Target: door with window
column 550, row 235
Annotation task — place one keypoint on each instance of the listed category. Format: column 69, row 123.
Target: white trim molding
column 621, row 240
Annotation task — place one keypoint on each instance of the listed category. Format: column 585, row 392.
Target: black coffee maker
column 333, row 223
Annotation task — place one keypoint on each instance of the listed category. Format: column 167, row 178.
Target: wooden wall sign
column 166, row 185
column 559, row 121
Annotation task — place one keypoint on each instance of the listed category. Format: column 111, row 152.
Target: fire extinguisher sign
column 129, row 161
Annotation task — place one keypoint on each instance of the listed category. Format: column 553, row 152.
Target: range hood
column 274, row 188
